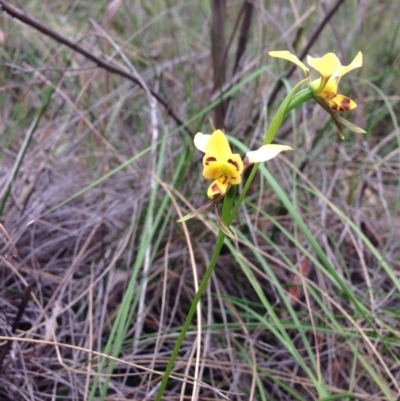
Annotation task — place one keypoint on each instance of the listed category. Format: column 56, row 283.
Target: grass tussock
column 94, row 174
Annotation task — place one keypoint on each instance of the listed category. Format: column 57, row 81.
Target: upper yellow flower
column 224, row 167
column 325, row 88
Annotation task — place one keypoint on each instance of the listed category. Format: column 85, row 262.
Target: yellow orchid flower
column 325, row 88
column 224, row 167
column 331, row 71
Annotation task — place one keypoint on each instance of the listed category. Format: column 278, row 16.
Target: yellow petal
column 219, row 161
column 356, row 63
column 217, row 188
column 290, row 57
column 201, row 140
column 229, row 171
column 341, row 103
column 265, row 153
column 325, row 65
column 217, row 146
column 330, row 89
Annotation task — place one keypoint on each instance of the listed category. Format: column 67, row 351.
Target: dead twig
column 21, row 309
column 218, row 59
column 9, row 240
column 248, row 8
column 245, row 17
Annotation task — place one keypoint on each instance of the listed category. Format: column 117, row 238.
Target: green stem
column 300, row 98
column 192, row 311
column 228, row 201
column 273, row 128
column 280, row 114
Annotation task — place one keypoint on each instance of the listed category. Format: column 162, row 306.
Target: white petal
column 201, row 140
column 266, row 152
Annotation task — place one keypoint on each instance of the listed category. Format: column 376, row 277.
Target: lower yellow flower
column 224, row 167
column 220, row 164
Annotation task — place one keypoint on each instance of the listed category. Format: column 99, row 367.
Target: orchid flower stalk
column 225, row 169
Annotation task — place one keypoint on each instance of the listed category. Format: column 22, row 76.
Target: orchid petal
column 326, row 65
column 351, row 126
column 218, row 188
column 334, row 116
column 356, row 63
column 223, row 227
column 265, row 153
column 330, row 89
column 340, row 103
column 218, row 146
column 284, row 54
column 200, row 141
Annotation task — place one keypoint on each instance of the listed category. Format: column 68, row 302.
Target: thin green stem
column 270, row 135
column 300, row 98
column 189, row 317
column 228, row 201
column 277, row 120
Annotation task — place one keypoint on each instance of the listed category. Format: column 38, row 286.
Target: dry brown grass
column 84, row 257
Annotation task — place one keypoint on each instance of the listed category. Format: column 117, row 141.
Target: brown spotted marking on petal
column 345, row 104
column 210, row 159
column 215, row 188
column 230, row 161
